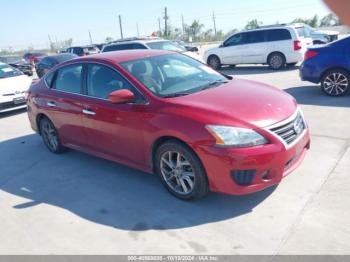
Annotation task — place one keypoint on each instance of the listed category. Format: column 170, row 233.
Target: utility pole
column 183, row 25
column 137, row 28
column 90, row 37
column 121, row 27
column 214, row 20
column 166, row 17
column 159, row 25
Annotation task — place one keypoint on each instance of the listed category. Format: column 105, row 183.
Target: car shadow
column 105, row 192
column 253, row 70
column 313, row 95
column 13, row 113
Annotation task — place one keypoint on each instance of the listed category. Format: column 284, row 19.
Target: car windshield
column 167, row 45
column 173, row 75
column 10, row 59
column 303, row 31
column 8, row 71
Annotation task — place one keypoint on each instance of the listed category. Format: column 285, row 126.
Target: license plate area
column 19, row 100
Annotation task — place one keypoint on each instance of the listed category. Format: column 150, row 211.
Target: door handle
column 51, row 104
column 89, row 112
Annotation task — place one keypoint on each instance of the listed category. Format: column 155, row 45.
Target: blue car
column 330, row 66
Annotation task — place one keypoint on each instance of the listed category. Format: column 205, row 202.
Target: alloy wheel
column 50, row 136
column 177, row 172
column 336, row 84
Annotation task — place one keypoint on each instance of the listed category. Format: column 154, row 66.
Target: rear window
column 278, row 35
column 302, row 32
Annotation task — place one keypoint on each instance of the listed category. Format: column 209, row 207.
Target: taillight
column 297, row 45
column 310, row 54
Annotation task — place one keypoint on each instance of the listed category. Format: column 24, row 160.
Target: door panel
column 115, row 130
column 62, row 103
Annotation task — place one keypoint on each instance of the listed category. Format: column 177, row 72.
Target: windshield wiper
column 213, row 84
column 176, row 95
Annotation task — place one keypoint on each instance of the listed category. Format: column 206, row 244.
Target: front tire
column 180, row 171
column 276, row 61
column 50, row 136
column 336, row 82
column 214, row 62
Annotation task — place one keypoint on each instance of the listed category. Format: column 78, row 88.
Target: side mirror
column 122, row 96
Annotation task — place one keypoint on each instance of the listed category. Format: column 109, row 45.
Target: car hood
column 12, row 84
column 239, row 103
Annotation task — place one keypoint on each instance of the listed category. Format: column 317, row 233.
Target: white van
column 276, row 46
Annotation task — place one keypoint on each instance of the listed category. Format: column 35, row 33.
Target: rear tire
column 180, row 171
column 336, row 82
column 214, row 62
column 276, row 61
column 50, row 136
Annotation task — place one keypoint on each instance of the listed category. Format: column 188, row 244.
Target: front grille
column 291, row 130
column 243, row 177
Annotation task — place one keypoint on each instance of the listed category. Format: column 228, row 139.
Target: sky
column 29, row 23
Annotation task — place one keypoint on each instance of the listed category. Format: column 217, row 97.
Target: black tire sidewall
column 218, row 62
column 201, row 182
column 344, row 72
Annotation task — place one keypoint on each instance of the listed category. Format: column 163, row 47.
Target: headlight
column 236, row 136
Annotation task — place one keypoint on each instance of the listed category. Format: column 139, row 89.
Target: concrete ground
column 78, row 204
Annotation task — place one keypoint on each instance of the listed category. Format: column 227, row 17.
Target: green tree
column 329, row 20
column 313, row 22
column 252, row 24
column 194, row 29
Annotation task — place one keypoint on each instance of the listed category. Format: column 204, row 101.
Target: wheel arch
column 38, row 118
column 331, row 69
column 213, row 55
column 161, row 140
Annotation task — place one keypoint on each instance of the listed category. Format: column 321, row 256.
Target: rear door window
column 69, row 79
column 278, row 35
column 255, row 37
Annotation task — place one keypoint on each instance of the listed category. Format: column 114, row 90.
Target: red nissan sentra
column 167, row 113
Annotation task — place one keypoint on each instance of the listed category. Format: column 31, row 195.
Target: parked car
column 329, row 65
column 33, row 58
column 276, row 46
column 19, row 63
column 49, row 62
column 187, row 46
column 13, row 85
column 83, row 50
column 318, row 36
column 167, row 113
column 149, row 43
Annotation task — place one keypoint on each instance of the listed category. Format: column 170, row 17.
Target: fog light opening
column 265, row 175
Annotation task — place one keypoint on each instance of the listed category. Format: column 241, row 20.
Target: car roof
column 118, row 57
column 138, row 41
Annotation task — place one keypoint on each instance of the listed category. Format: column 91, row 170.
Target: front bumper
column 265, row 165
column 12, row 103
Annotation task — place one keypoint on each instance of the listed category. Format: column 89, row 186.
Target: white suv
column 276, row 46
column 149, row 43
